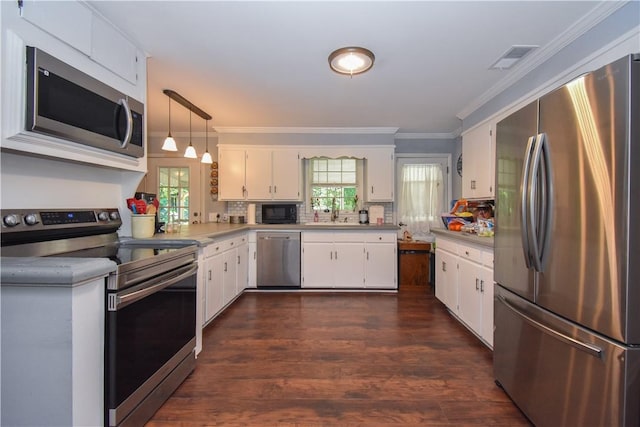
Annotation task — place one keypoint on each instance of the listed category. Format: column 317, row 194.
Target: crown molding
column 446, row 135
column 303, row 130
column 539, row 56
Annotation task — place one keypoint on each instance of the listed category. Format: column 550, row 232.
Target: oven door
column 150, row 340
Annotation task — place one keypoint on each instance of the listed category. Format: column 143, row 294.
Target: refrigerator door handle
column 539, row 202
column 582, row 346
column 524, row 206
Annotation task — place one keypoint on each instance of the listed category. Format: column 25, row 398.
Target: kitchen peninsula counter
column 464, row 237
column 203, row 234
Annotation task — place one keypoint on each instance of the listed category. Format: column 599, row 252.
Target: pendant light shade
column 190, row 152
column 206, row 157
column 169, row 142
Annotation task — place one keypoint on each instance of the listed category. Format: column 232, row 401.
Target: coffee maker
column 149, row 198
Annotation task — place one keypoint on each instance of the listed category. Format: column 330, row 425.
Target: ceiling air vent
column 511, row 56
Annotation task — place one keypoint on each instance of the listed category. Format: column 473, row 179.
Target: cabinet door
column 447, row 279
column 232, row 174
column 478, row 153
column 469, row 296
column 286, row 175
column 380, row 265
column 112, row 50
column 258, row 174
column 252, row 267
column 229, row 280
column 242, row 266
column 317, row 265
column 213, row 286
column 348, row 265
column 380, row 176
column 486, row 289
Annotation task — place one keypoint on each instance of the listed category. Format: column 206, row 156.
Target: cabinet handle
column 209, row 274
column 444, row 266
column 477, row 287
column 331, row 255
column 269, row 189
column 367, row 255
column 225, row 266
column 238, row 259
column 372, row 189
column 336, row 254
column 482, row 286
column 254, row 255
column 466, row 253
column 275, row 188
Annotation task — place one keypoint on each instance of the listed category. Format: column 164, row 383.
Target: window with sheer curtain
column 421, row 197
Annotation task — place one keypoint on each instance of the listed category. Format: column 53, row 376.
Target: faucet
column 334, row 211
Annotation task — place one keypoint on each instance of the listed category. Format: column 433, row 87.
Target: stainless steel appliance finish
column 66, row 103
column 150, row 310
column 278, row 259
column 567, row 332
column 279, row 213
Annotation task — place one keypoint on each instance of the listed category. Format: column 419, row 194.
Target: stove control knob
column 114, row 215
column 103, row 216
column 11, row 220
column 31, row 219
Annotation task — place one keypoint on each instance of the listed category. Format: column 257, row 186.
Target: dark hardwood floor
column 339, row 359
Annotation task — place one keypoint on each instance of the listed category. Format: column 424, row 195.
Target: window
column 422, row 193
column 334, row 183
column 173, row 194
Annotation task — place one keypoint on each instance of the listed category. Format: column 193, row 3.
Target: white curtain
column 422, row 187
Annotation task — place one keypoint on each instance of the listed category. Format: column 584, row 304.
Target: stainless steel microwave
column 67, row 103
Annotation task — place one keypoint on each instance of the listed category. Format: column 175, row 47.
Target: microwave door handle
column 129, row 131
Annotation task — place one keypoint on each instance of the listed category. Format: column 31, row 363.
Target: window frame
column 309, row 184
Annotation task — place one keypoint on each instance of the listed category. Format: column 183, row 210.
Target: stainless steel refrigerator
column 567, row 252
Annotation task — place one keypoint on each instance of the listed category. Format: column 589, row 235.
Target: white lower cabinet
column 225, row 274
column 464, row 283
column 349, row 260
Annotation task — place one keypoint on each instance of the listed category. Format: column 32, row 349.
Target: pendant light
column 206, row 157
column 190, row 152
column 169, row 142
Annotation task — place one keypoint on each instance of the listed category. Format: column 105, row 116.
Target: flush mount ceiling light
column 351, row 60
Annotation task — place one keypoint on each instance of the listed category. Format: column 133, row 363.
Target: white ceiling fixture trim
column 539, row 56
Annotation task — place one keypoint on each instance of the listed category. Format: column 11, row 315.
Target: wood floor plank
column 339, row 359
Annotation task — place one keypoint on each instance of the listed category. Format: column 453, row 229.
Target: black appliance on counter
column 279, row 214
column 150, row 301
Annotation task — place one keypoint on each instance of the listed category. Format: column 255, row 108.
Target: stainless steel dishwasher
column 278, row 259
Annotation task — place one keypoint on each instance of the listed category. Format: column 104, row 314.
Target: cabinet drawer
column 487, row 258
column 470, row 253
column 380, row 237
column 321, row 237
column 447, row 245
column 348, row 237
column 213, row 249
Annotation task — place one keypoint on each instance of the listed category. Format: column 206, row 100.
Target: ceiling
column 264, row 64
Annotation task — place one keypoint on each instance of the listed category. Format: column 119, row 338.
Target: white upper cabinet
column 287, row 174
column 379, row 172
column 67, row 21
column 478, row 163
column 232, row 173
column 258, row 173
column 110, row 49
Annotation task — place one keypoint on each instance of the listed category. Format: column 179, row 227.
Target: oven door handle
column 118, row 301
